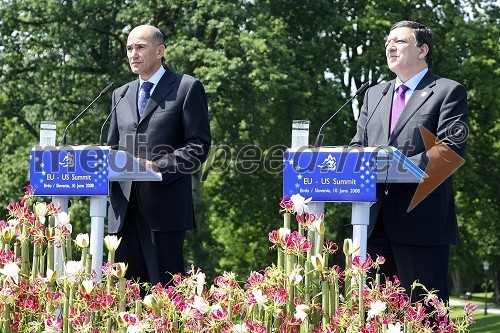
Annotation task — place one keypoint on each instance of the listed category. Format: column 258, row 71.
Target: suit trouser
column 427, row 264
column 152, row 256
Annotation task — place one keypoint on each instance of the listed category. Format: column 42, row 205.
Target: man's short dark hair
column 423, row 35
column 157, row 38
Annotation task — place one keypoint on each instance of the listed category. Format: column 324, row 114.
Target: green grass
column 489, row 323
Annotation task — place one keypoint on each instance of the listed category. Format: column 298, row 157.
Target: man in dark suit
column 415, row 243
column 163, row 120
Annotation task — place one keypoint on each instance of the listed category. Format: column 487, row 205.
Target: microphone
column 365, row 137
column 105, row 90
column 319, row 138
column 124, row 91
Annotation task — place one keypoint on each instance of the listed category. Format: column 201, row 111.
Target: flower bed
column 300, row 293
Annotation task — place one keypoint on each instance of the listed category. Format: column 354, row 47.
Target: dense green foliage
column 263, row 64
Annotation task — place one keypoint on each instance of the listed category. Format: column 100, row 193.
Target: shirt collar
column 154, row 79
column 413, row 82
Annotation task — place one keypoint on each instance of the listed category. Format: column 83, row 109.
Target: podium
column 67, row 171
column 347, row 174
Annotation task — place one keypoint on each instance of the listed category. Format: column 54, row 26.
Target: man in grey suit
column 415, row 243
column 163, row 120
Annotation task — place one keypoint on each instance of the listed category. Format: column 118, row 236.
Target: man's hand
column 150, row 164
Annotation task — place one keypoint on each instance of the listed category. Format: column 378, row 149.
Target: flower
column 260, row 297
column 112, row 242
column 326, row 299
column 200, row 282
column 40, row 209
column 63, row 218
column 88, row 286
column 396, row 328
column 73, row 267
column 376, row 308
column 51, row 275
column 239, row 328
column 318, row 262
column 301, row 311
column 200, row 304
column 300, row 203
column 319, row 226
column 11, row 272
column 82, row 240
column 120, row 269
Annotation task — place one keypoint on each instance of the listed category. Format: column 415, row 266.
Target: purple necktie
column 398, row 105
column 144, row 96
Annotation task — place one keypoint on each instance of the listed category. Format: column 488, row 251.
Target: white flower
column 347, row 247
column 40, row 209
column 301, row 311
column 295, row 278
column 112, row 242
column 260, row 298
column 283, row 231
column 88, row 286
column 150, row 301
column 120, row 270
column 318, row 262
column 73, row 267
column 200, row 283
column 82, row 240
column 200, row 304
column 396, row 328
column 319, row 226
column 300, row 203
column 239, row 328
column 215, row 307
column 11, row 271
column 51, row 275
column 376, row 308
column 63, row 218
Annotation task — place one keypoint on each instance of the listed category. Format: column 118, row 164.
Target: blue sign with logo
column 69, row 171
column 331, row 174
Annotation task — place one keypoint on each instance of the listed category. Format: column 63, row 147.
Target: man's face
column 144, row 57
column 404, row 58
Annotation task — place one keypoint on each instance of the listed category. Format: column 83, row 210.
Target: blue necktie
column 144, row 96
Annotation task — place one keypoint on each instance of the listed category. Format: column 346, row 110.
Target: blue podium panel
column 69, row 171
column 331, row 174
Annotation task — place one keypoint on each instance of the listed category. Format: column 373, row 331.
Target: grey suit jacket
column 437, row 104
column 174, row 132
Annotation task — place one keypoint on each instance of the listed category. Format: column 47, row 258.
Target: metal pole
column 485, row 296
column 486, row 267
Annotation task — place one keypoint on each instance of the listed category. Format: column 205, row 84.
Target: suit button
column 139, row 129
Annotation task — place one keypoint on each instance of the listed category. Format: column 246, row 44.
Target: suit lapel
column 131, row 97
column 385, row 107
column 422, row 92
column 160, row 93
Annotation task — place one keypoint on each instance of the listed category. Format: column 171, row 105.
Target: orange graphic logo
column 443, row 162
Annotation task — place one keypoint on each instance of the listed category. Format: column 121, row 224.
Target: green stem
column 69, row 251
column 50, row 256
column 25, row 251
column 88, row 263
column 83, row 258
column 6, row 319
column 325, row 304
column 286, row 220
column 360, row 300
column 121, row 291
column 281, row 260
column 66, row 309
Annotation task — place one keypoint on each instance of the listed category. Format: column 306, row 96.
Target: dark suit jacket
column 174, row 131
column 436, row 103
